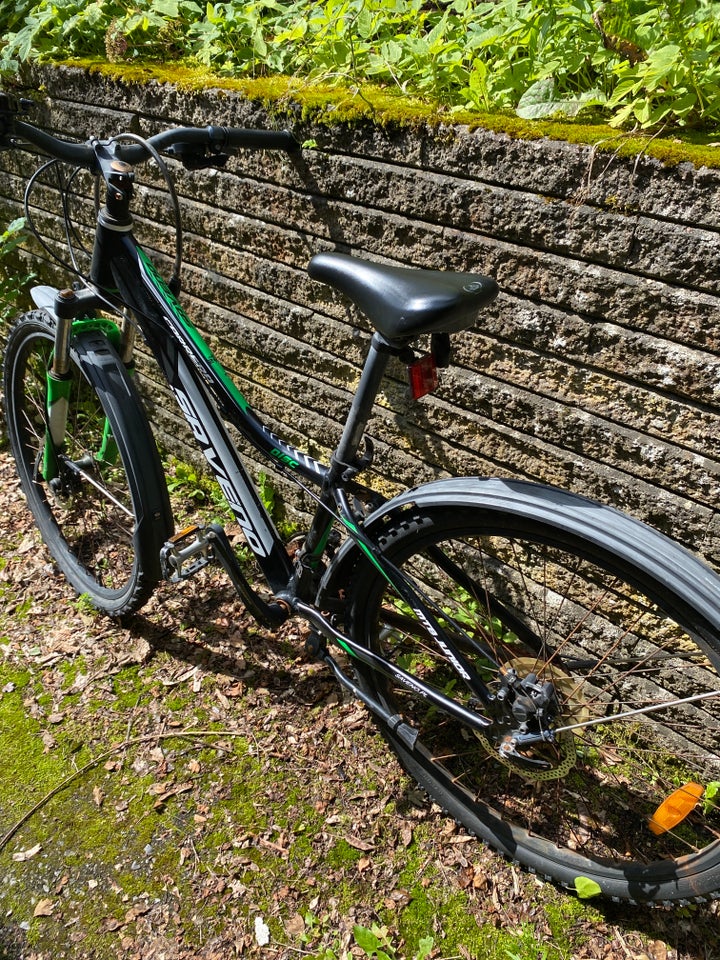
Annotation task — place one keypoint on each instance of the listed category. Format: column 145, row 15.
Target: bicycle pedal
column 184, row 554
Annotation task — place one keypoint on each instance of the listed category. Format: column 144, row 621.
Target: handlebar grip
column 260, row 139
column 215, row 138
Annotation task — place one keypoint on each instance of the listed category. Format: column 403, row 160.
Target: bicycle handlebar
column 216, row 139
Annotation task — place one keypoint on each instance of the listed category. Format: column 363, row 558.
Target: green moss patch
column 337, row 104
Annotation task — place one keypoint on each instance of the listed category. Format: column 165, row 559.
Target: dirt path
column 220, row 798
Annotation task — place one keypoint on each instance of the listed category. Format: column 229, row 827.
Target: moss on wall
column 335, row 103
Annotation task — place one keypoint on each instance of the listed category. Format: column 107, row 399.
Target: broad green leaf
column 391, row 51
column 167, row 8
column 540, row 101
column 586, row 888
column 366, row 939
column 425, row 947
column 711, row 791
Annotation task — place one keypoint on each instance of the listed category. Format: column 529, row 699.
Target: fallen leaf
column 156, row 789
column 60, row 885
column 23, row 855
column 295, row 926
column 139, row 910
column 172, row 792
column 359, row 844
column 98, row 796
column 43, row 908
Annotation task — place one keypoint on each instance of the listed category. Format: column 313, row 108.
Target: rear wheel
column 575, row 642
column 102, row 507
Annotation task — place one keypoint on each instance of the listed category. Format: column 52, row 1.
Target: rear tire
column 103, row 522
column 616, row 618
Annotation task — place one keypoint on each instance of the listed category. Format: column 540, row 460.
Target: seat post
column 361, row 408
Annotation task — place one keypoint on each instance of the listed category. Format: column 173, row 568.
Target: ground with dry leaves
column 188, row 786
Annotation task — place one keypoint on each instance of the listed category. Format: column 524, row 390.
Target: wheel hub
column 532, row 697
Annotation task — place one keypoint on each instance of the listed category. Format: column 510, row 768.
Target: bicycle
column 544, row 666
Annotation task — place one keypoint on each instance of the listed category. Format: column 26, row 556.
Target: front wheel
column 99, row 499
column 593, row 634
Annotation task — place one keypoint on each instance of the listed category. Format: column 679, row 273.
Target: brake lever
column 194, row 159
column 11, row 107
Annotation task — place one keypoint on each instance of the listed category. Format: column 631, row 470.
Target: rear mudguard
column 666, row 570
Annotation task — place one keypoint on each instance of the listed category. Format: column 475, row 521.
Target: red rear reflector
column 423, row 376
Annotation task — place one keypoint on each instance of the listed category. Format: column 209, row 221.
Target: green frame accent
column 191, row 330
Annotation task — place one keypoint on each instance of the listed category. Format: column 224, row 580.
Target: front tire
column 616, row 618
column 105, row 513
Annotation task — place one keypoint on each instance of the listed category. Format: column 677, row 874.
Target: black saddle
column 404, row 303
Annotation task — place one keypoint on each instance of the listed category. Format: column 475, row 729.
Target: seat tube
column 361, row 408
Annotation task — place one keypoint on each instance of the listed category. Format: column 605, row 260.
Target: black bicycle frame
column 207, row 396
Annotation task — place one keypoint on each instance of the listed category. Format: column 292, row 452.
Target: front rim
column 85, row 509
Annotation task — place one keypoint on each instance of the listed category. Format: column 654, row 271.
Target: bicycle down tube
column 203, row 390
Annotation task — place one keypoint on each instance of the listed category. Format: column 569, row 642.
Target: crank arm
column 380, row 665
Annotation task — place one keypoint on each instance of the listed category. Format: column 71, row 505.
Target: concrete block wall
column 597, row 369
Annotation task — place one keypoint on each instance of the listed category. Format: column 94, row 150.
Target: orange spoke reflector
column 675, row 808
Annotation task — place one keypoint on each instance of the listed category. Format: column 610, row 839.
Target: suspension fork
column 67, row 307
column 57, row 396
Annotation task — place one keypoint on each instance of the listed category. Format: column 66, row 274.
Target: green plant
column 526, row 946
column 188, row 482
column 375, row 942
column 267, row 492
column 637, row 62
column 12, row 277
column 710, row 799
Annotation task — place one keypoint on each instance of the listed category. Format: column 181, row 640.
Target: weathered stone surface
column 598, row 367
